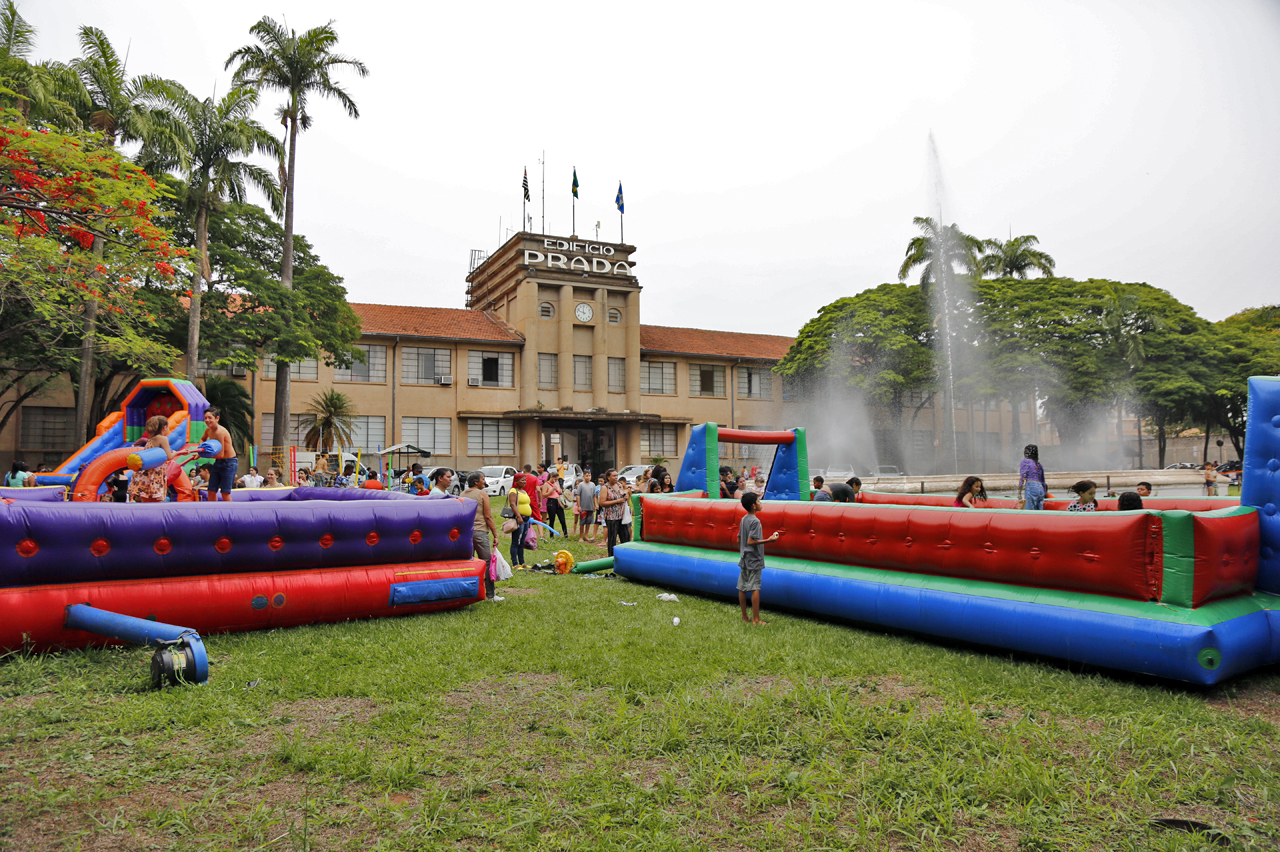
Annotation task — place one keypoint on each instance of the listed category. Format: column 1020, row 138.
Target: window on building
column 915, row 398
column 582, row 372
column 658, row 439
column 204, row 367
column 491, row 369
column 755, row 383
column 299, row 425
column 962, row 445
column 547, row 311
column 433, row 434
column 490, row 438
column 369, row 431
column 548, row 370
column 374, row 369
column 48, row 428
column 922, row 442
column 706, row 380
column 615, row 316
column 617, row 375
column 421, row 366
column 658, row 377
column 308, row 370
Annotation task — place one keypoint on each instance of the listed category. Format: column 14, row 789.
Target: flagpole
column 544, row 191
column 573, row 222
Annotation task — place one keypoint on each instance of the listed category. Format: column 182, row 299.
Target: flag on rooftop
column 575, row 182
column 526, row 184
column 618, row 200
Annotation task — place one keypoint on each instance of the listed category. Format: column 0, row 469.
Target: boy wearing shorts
column 222, row 472
column 751, row 542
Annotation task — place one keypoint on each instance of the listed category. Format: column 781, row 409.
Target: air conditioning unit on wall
column 444, row 380
column 239, row 371
column 473, row 383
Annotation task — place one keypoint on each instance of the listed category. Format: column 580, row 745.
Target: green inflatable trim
column 592, row 566
column 1208, row 615
column 1179, row 558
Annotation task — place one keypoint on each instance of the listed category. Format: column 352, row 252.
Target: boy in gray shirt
column 585, row 496
column 751, row 543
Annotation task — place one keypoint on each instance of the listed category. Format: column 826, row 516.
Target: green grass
column 561, row 720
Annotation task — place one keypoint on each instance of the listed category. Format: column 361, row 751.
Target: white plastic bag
column 504, row 570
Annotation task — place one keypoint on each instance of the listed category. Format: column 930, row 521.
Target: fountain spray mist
column 943, row 286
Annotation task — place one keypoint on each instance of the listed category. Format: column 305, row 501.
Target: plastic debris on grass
column 668, row 597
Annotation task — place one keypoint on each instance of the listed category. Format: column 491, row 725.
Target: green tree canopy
column 60, row 194
column 878, row 341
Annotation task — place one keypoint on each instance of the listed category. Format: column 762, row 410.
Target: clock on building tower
column 583, row 312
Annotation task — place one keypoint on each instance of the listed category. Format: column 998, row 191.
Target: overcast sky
column 772, row 156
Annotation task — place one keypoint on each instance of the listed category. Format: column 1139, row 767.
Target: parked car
column 1232, row 466
column 459, row 483
column 1182, row 466
column 631, row 471
column 840, row 472
column 889, row 470
column 498, row 479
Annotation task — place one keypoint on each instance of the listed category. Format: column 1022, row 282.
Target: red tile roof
column 720, row 344
column 465, row 324
column 444, row 323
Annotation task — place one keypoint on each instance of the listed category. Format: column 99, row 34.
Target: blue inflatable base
column 1188, row 650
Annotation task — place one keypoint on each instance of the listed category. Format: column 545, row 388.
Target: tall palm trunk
column 281, row 425
column 202, row 264
column 84, row 398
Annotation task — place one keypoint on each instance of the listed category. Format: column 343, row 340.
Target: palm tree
column 937, row 247
column 218, row 132
column 299, row 66
column 121, row 108
column 39, row 92
column 237, row 408
column 335, row 420
column 1014, row 258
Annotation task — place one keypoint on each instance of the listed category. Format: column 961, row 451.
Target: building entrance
column 584, row 443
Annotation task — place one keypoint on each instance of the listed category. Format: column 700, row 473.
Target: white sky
column 772, row 156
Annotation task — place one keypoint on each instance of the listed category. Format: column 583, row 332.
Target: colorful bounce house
column 1185, row 588
column 82, row 573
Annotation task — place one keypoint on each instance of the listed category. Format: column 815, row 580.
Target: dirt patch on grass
column 1260, row 704
column 516, row 591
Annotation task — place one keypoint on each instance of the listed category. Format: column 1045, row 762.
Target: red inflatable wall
column 1226, row 554
column 1103, row 553
column 225, row 603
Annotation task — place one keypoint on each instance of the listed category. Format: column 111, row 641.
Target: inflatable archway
column 176, row 399
column 788, row 476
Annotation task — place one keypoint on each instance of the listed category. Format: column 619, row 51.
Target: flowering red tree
column 58, row 193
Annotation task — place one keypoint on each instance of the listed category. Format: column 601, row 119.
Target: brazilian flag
column 575, row 182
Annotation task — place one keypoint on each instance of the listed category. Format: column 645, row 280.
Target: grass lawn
column 560, row 719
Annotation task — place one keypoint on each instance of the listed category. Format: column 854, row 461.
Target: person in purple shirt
column 1031, row 478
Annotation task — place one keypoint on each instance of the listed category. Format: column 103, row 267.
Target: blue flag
column 618, row 200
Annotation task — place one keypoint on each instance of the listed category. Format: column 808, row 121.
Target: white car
column 497, row 479
column 631, row 471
